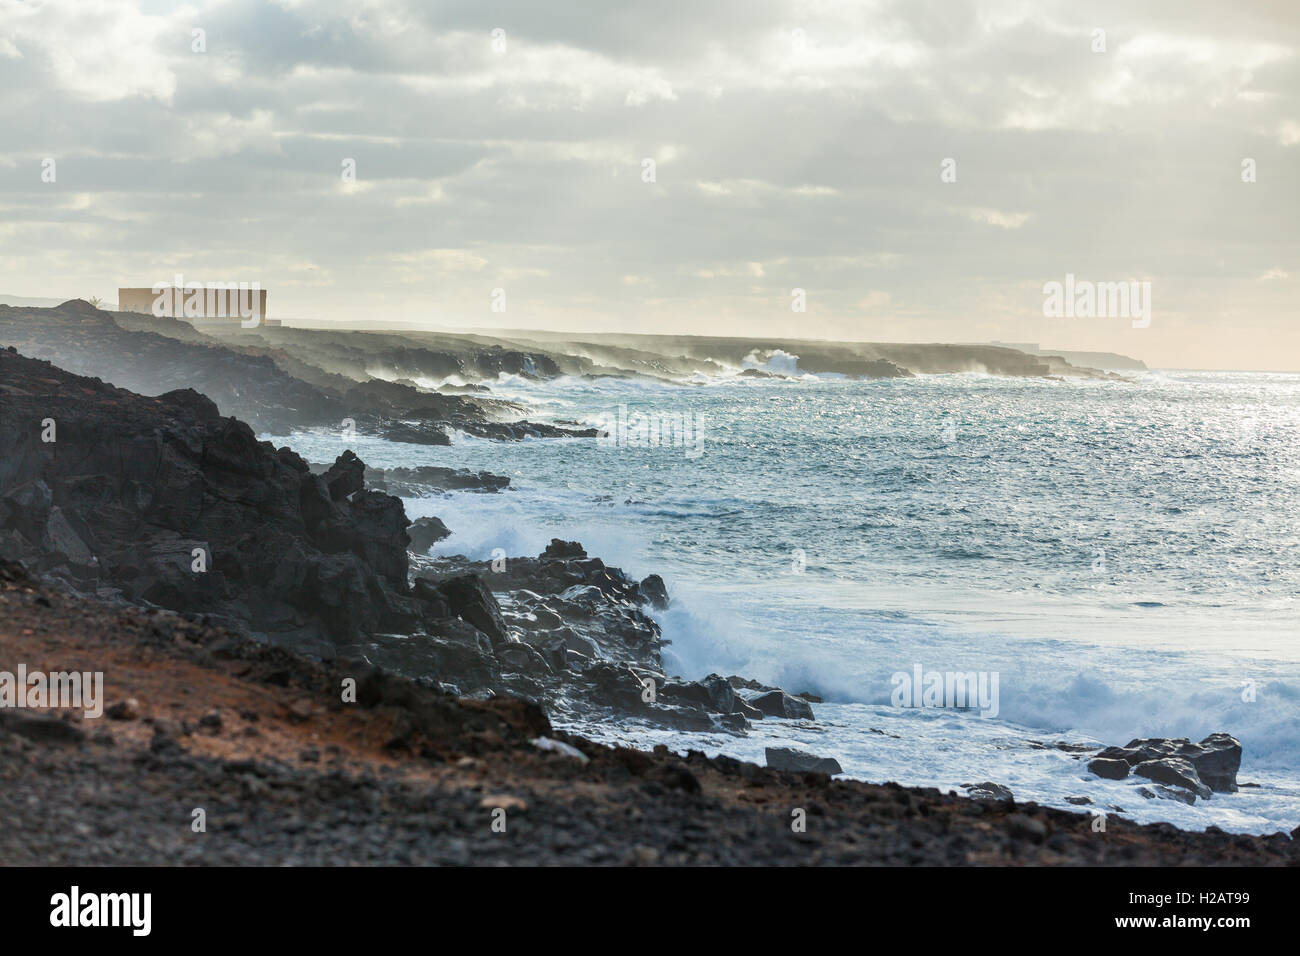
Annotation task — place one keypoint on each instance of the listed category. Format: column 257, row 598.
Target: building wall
column 135, row 300
column 217, row 304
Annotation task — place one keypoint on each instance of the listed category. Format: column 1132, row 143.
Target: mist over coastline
column 754, row 434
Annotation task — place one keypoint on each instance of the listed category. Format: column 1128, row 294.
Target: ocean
column 1119, row 558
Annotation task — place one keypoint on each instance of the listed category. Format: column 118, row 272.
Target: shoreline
column 287, row 774
column 316, row 567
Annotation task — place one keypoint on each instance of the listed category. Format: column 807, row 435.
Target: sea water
column 1124, row 557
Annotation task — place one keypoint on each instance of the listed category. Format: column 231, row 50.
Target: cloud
column 797, row 143
column 995, row 217
column 97, row 50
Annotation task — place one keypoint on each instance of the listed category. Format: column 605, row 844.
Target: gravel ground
column 288, row 774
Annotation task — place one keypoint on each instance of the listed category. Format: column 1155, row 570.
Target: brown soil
column 292, row 774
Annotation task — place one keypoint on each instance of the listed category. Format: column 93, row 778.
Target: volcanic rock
column 988, row 791
column 1110, row 768
column 180, row 507
column 426, row 532
column 777, row 703
column 787, row 758
column 1216, row 759
column 1174, row 771
column 653, row 591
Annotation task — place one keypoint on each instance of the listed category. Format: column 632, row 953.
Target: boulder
column 1174, row 771
column 523, row 658
column 579, row 643
column 712, row 693
column 653, row 591
column 987, row 791
column 471, row 600
column 798, row 761
column 26, row 508
column 1167, row 793
column 415, row 433
column 433, row 603
column 421, row 480
column 552, row 648
column 1110, row 768
column 542, row 617
column 64, row 542
column 559, row 550
column 425, row 533
column 1216, row 759
column 345, row 476
column 777, row 703
column 14, row 547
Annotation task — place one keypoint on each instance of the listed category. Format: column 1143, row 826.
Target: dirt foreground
column 214, row 749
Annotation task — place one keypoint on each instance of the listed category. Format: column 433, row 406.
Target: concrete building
column 224, row 303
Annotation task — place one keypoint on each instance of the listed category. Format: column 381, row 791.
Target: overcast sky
column 795, row 144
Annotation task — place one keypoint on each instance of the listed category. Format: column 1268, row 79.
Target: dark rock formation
column 1215, row 759
column 1161, row 792
column 517, row 431
column 270, row 378
column 797, row 761
column 164, row 501
column 1175, row 772
column 469, row 599
column 426, row 479
column 883, row 368
column 712, row 693
column 494, row 361
column 415, row 433
column 84, row 340
column 988, row 791
column 777, row 703
column 1110, row 768
column 562, row 550
column 324, row 790
column 573, row 633
column 426, row 532
column 346, row 476
column 654, row 592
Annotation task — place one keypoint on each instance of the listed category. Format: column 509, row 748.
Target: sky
column 920, row 170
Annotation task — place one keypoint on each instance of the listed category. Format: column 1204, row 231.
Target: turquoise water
column 1125, row 556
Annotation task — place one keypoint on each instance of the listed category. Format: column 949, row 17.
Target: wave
column 1046, row 688
column 958, row 555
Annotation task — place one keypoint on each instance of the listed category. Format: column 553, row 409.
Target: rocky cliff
column 163, row 501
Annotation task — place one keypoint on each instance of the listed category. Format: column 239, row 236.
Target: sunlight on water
column 1122, row 554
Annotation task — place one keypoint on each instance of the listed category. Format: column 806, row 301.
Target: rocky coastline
column 143, row 534
column 163, row 502
column 286, row 772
